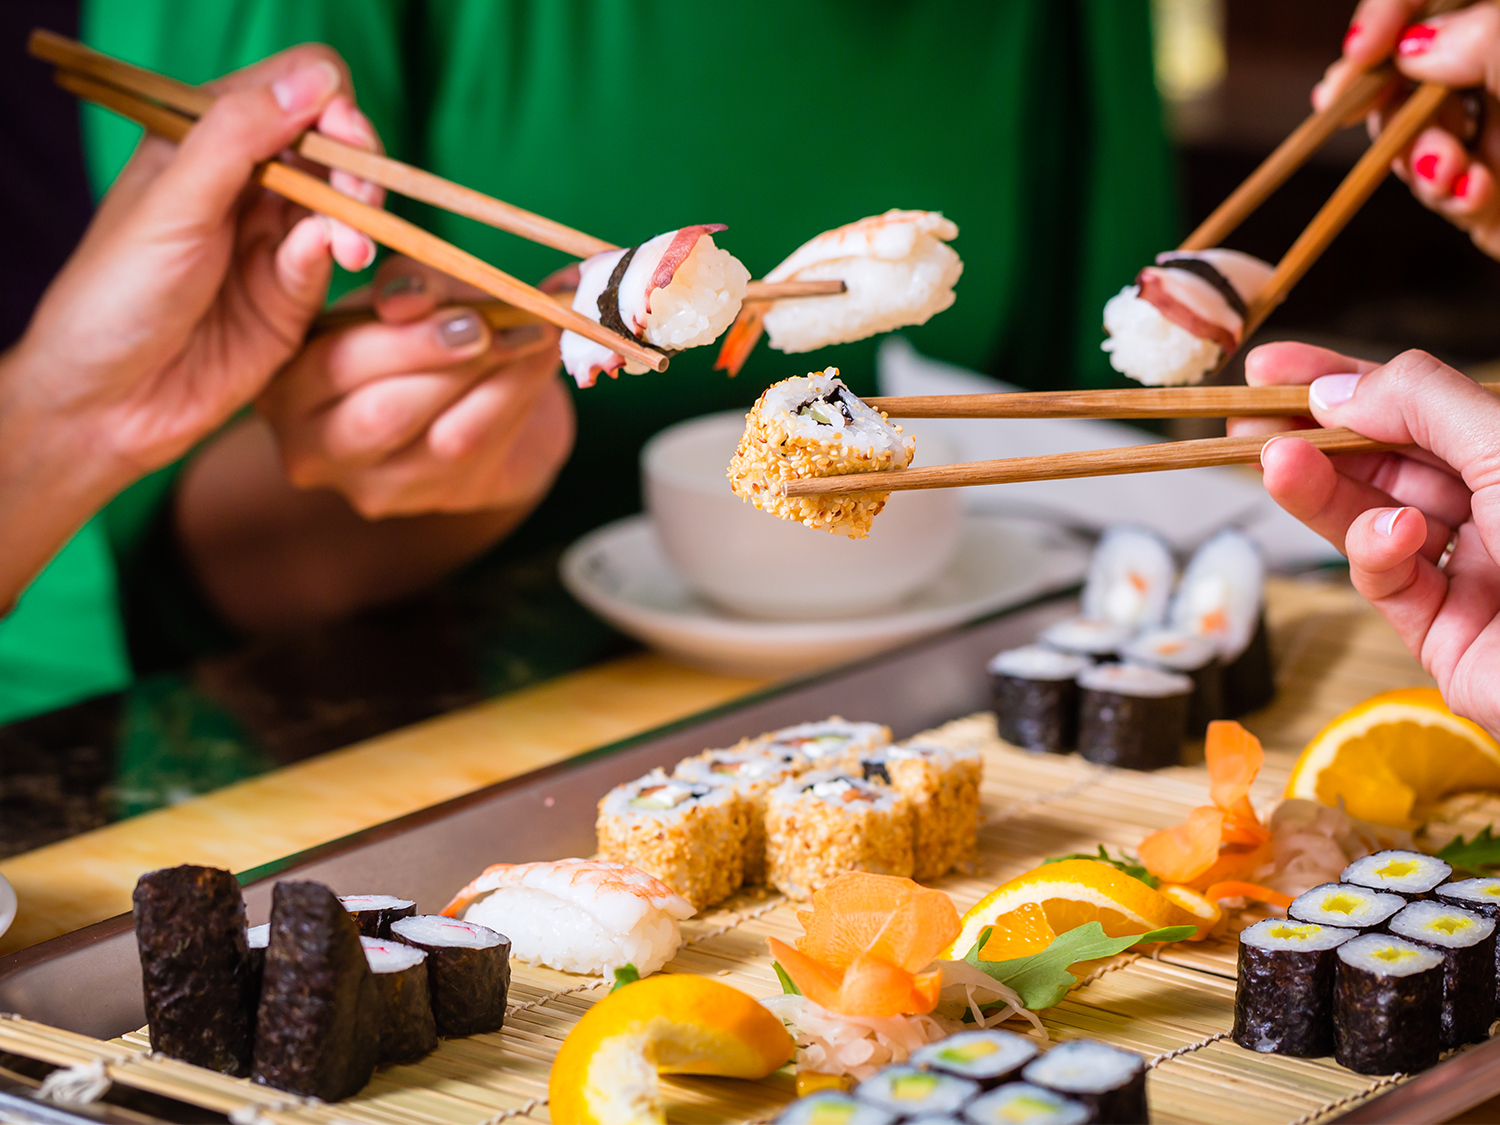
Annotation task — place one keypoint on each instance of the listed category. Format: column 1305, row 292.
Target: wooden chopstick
column 382, row 226
column 1195, row 454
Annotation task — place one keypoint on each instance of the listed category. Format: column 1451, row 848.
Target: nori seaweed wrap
column 1107, row 1079
column 196, row 971
column 317, row 1032
column 1482, row 896
column 990, row 1057
column 1466, row 941
column 1387, row 1005
column 1283, row 1001
column 1249, row 683
column 1035, row 694
column 407, row 1029
column 373, row 914
column 1193, row 656
column 468, row 971
column 257, row 938
column 1133, row 716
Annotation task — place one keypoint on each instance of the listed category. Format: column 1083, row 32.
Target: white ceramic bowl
column 758, row 565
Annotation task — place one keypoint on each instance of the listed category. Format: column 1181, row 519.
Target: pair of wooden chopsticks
column 168, row 107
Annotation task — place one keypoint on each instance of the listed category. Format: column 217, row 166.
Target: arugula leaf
column 1042, row 979
column 788, row 985
column 1125, row 863
column 1479, row 856
column 626, row 974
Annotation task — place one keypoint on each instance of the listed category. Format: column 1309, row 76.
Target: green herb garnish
column 1479, row 856
column 788, row 985
column 625, row 974
column 1042, row 979
column 1125, row 863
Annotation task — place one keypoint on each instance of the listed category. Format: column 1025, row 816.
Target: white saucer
column 7, row 905
column 620, row 572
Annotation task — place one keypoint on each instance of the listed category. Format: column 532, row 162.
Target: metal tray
column 89, row 981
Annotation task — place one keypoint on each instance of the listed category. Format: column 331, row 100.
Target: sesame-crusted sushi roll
column 1222, row 597
column 912, row 1092
column 990, row 1057
column 1412, row 875
column 1467, row 942
column 814, row 426
column 942, row 785
column 1035, row 693
column 1130, row 579
column 1283, row 1001
column 1189, row 655
column 753, row 774
column 825, row 823
column 1109, row 1080
column 1345, row 906
column 832, row 743
column 1088, row 636
column 689, row 835
column 1482, row 896
column 1132, row 716
column 1387, row 1005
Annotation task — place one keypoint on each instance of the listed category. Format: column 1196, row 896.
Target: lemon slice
column 1395, row 756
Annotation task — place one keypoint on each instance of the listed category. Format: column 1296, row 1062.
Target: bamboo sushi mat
column 1176, row 1009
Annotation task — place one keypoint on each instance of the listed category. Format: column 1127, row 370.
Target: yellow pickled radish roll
column 607, row 1068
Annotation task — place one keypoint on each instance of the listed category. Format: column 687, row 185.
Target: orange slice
column 1020, row 933
column 1205, row 913
column 1395, row 756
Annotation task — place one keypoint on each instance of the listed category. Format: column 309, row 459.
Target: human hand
column 1453, row 165
column 427, row 410
column 1393, row 514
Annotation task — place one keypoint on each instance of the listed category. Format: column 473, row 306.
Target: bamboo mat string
column 739, row 918
column 1187, row 1049
column 557, row 995
column 1063, row 793
column 519, row 1111
column 1361, row 1095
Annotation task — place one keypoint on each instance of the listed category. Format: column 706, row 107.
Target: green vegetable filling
column 968, row 1052
column 913, row 1087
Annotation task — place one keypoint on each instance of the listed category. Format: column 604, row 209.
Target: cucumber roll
column 825, row 823
column 1482, row 896
column 911, row 1092
column 1133, row 716
column 1467, row 942
column 1035, row 693
column 753, row 774
column 1021, row 1103
column 833, row 1108
column 1222, row 597
column 990, row 1057
column 408, row 1030
column 468, row 971
column 1087, row 636
column 1345, row 906
column 317, row 1031
column 1387, row 1005
column 1190, row 655
column 373, row 914
column 1283, row 1001
column 1130, row 579
column 942, row 785
column 1412, row 875
column 1110, row 1081
column 197, row 974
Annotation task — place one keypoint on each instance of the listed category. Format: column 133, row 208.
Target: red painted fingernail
column 1416, row 40
column 1426, row 166
column 1349, row 35
column 1461, row 185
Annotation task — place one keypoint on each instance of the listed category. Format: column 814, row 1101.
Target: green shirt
column 1033, row 124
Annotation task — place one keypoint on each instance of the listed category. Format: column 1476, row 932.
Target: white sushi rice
column 258, row 937
column 829, row 741
column 1398, row 871
column 1173, row 649
column 1087, row 636
column 911, row 1091
column 1038, row 662
column 356, row 903
column 1134, row 680
column 1020, row 1103
column 701, row 301
column 1146, row 346
column 738, row 767
column 1221, row 593
column 1387, row 956
column 1433, row 923
column 1345, row 905
column 1130, row 578
column 1482, row 892
column 1279, row 935
column 386, row 956
column 1084, row 1066
column 450, row 933
column 813, row 407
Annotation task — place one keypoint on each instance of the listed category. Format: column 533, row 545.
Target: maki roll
column 1467, row 943
column 1133, row 716
column 407, row 1028
column 752, row 774
column 911, row 1092
column 1035, row 693
column 1021, row 1103
column 373, row 914
column 1086, row 636
column 468, row 971
column 833, row 1108
column 1387, row 1005
column 689, row 835
column 1222, row 597
column 1283, row 1001
column 815, row 426
column 1192, row 656
column 1412, row 875
column 990, row 1057
column 942, row 785
column 1482, row 896
column 1130, row 579
column 317, row 1031
column 1108, row 1080
column 825, row 823
column 832, row 743
column 256, row 940
column 1345, row 906
column 197, row 974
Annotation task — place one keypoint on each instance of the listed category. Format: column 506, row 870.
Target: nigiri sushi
column 1182, row 315
column 677, row 290
column 897, row 269
column 577, row 915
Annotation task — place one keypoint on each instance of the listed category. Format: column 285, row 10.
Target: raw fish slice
column 616, row 895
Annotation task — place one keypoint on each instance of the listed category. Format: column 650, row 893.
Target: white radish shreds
column 702, row 300
column 782, row 442
column 1149, row 348
column 833, row 1043
column 1312, row 843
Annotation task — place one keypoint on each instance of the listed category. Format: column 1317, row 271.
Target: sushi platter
column 78, row 999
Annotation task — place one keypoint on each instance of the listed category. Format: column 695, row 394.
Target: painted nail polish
column 1330, row 391
column 1461, row 185
column 1350, row 35
column 1416, row 40
column 459, row 330
column 1426, row 165
column 1385, row 523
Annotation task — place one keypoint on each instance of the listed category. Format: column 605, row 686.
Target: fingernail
column 306, row 87
column 459, row 330
column 1426, row 165
column 1332, row 390
column 363, row 124
column 370, row 253
column 404, row 285
column 516, row 337
column 1349, row 36
column 1272, row 440
column 1461, row 185
column 1385, row 523
column 1416, row 40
